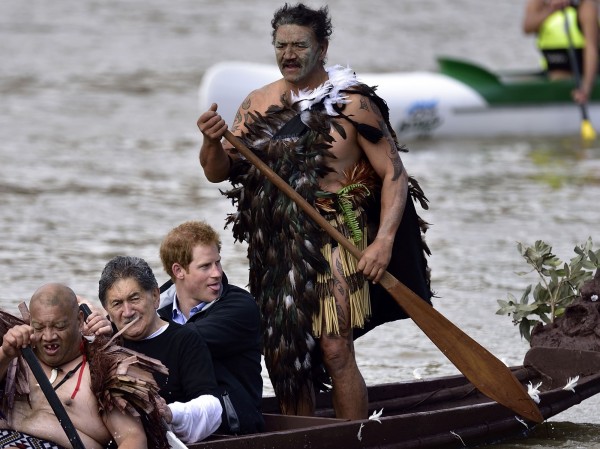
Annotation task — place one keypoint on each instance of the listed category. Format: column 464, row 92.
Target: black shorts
column 560, row 60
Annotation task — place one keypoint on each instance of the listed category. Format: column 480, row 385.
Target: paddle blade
column 488, row 374
column 587, row 130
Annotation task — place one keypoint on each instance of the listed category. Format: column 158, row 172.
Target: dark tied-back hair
column 125, row 267
column 316, row 19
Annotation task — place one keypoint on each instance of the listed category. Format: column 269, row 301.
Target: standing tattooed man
column 329, row 137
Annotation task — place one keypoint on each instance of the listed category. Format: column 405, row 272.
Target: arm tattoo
column 237, row 121
column 246, row 104
column 238, row 116
column 364, row 104
column 393, row 153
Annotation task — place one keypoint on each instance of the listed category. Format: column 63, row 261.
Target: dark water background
column 98, row 157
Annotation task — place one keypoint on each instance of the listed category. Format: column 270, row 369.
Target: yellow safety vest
column 552, row 34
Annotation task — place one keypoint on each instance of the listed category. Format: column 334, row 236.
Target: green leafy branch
column 345, row 195
column 560, row 283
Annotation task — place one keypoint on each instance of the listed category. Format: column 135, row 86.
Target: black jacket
column 231, row 329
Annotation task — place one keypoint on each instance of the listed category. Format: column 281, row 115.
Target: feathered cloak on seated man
column 120, row 379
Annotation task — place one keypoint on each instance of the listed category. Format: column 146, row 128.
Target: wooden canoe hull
column 445, row 412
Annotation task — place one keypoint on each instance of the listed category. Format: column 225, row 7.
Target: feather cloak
column 284, row 245
column 121, row 379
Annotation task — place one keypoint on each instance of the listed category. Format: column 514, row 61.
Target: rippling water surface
column 98, row 157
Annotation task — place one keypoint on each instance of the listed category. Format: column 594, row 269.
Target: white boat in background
column 461, row 100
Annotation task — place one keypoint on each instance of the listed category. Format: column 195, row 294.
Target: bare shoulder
column 363, row 109
column 257, row 101
column 269, row 95
column 534, row 6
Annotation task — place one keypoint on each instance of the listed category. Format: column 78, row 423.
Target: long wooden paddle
column 587, row 130
column 483, row 370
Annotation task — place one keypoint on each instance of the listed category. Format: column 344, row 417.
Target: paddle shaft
column 574, row 65
column 52, row 397
column 573, row 60
column 483, row 370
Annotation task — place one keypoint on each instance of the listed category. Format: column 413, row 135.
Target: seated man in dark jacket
column 225, row 315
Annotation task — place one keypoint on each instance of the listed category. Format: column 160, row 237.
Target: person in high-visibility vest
column 547, row 18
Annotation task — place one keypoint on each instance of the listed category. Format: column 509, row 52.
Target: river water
column 98, row 156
